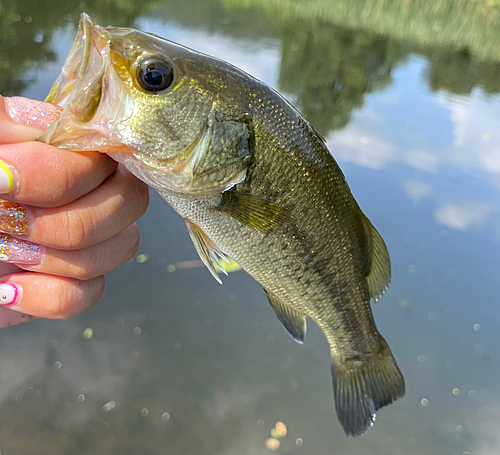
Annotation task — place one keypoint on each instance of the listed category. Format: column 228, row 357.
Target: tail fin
column 361, row 387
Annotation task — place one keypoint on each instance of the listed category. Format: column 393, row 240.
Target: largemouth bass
column 253, row 180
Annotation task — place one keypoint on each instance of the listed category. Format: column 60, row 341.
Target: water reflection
column 329, row 71
column 417, row 190
column 176, row 364
column 27, row 31
column 463, row 216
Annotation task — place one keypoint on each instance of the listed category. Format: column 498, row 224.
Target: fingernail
column 17, row 251
column 9, row 293
column 6, row 178
column 13, row 218
column 32, row 113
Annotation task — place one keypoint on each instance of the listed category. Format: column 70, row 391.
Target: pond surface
column 170, row 362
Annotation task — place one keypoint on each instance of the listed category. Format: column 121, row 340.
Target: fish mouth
column 75, row 67
column 95, row 102
column 80, row 90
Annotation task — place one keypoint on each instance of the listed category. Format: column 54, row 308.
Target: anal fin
column 209, row 253
column 293, row 320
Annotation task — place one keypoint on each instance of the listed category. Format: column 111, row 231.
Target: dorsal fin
column 293, row 320
column 379, row 275
column 209, row 253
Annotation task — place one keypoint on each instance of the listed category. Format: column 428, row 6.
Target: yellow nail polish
column 6, row 178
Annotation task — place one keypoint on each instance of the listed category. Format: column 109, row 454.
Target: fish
column 254, row 182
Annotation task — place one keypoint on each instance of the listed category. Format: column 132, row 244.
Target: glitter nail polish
column 9, row 293
column 19, row 251
column 32, row 113
column 13, row 218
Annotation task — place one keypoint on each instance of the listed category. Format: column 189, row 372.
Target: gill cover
column 125, row 93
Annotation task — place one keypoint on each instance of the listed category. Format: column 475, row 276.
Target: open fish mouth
column 82, row 66
column 80, row 90
column 97, row 104
column 102, row 107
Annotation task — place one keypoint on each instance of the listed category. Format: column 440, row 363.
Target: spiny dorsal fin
column 379, row 276
column 293, row 320
column 208, row 251
column 253, row 211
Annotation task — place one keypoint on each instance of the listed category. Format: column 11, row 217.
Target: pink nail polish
column 17, row 251
column 9, row 293
column 32, row 113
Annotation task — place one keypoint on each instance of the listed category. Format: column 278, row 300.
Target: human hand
column 66, row 218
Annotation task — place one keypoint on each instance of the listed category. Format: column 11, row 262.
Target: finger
column 117, row 203
column 32, row 113
column 7, row 269
column 41, row 175
column 22, row 119
column 8, row 318
column 48, row 296
column 89, row 262
column 46, row 175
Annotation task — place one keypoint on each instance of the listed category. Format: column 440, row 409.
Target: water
column 170, row 362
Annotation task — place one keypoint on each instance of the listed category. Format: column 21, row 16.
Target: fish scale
column 254, row 181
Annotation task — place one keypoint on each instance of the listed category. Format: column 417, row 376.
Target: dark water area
column 170, row 362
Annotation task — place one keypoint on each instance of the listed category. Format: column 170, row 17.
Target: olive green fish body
column 316, row 261
column 317, row 258
column 253, row 181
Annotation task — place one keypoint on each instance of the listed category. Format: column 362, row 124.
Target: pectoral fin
column 208, row 251
column 293, row 320
column 379, row 275
column 252, row 211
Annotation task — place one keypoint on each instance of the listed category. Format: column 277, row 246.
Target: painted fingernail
column 32, row 113
column 9, row 293
column 13, row 218
column 17, row 251
column 6, row 178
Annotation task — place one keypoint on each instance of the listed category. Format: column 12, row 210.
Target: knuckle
column 79, row 229
column 61, row 193
column 88, row 268
column 61, row 229
column 70, row 299
column 65, row 186
column 143, row 197
column 135, row 241
column 139, row 194
column 95, row 291
column 62, row 300
column 99, row 284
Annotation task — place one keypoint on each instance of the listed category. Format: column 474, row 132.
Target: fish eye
column 155, row 75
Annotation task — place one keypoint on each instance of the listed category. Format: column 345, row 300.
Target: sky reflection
column 193, row 367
